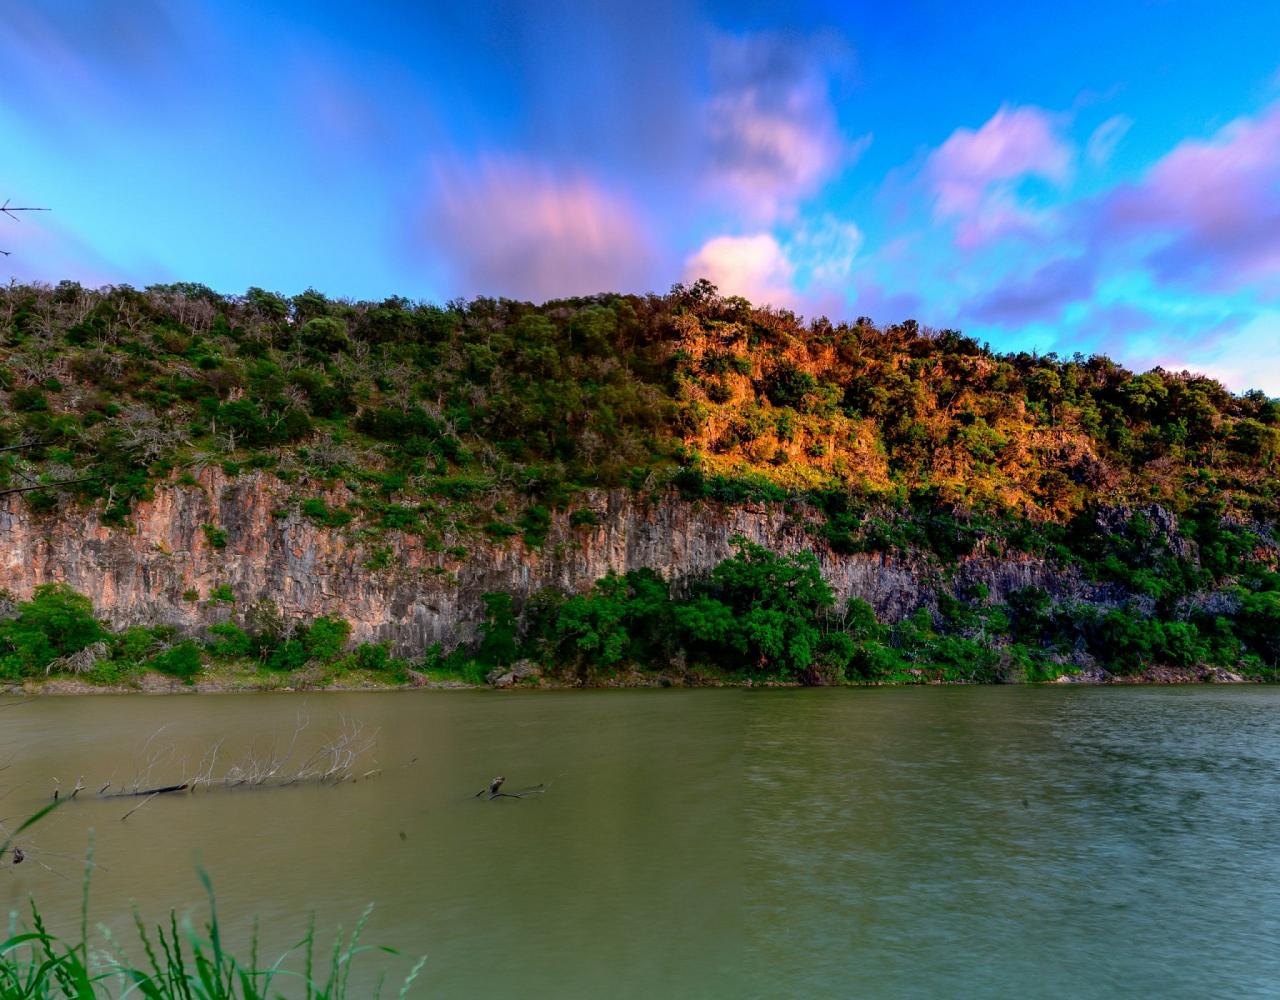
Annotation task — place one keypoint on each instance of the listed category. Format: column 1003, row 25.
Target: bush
column 289, row 655
column 376, row 658
column 770, row 610
column 229, row 641
column 584, row 517
column 182, row 660
column 55, row 622
column 326, row 638
column 216, row 537
column 223, row 594
column 134, row 644
column 321, row 513
column 498, row 631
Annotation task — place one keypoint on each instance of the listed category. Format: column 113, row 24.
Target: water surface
column 994, row 842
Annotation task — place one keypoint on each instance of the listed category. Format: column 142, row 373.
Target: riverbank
column 262, row 681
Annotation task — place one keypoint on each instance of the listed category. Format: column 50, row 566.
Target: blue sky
column 1074, row 176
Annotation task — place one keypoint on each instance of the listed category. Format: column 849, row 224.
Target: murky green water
column 996, row 842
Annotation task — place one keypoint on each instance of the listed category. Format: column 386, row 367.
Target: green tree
column 326, row 638
column 772, row 605
column 498, row 631
column 55, row 622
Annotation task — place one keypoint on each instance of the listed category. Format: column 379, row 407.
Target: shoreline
column 159, row 684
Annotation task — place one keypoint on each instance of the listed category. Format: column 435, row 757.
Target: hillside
column 1048, row 513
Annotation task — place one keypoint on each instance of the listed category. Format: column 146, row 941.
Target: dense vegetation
column 480, row 420
column 757, row 616
column 434, row 411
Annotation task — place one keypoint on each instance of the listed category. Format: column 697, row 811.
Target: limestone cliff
column 149, row 570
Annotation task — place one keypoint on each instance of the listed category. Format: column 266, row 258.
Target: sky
column 1101, row 177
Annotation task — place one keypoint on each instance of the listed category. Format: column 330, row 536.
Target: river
column 916, row 842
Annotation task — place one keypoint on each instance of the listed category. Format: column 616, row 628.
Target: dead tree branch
column 9, row 210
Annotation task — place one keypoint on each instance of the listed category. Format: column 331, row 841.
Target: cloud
column 811, row 269
column 755, row 267
column 774, row 137
column 507, row 227
column 1208, row 212
column 105, row 50
column 1001, row 216
column 1040, row 295
column 824, row 250
column 875, row 301
column 1014, row 143
column 1105, row 138
column 1244, row 358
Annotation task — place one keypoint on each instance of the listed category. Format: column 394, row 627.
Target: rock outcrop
column 162, row 565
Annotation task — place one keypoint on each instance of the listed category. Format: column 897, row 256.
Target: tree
column 55, row 622
column 498, row 631
column 763, row 607
column 1255, row 440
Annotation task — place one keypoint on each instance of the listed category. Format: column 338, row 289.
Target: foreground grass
column 182, row 961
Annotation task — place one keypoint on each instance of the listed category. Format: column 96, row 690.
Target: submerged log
column 493, row 791
column 163, row 790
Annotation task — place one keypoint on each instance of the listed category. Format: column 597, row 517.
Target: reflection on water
column 1001, row 842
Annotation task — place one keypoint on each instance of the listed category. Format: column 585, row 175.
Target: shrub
column 216, row 537
column 55, row 622
column 584, row 517
column 326, row 638
column 289, row 655
column 498, row 631
column 771, row 609
column 376, row 657
column 182, row 660
column 535, row 522
column 229, row 641
column 320, row 512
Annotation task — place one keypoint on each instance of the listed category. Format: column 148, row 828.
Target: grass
column 183, row 961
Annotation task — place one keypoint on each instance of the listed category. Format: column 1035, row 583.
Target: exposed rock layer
column 148, row 571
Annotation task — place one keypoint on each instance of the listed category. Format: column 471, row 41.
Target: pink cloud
column 1013, row 144
column 755, row 267
column 774, row 137
column 506, row 227
column 1211, row 207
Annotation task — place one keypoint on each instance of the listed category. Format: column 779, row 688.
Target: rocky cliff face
column 147, row 571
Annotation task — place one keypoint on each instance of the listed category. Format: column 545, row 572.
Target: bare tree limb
column 48, row 486
column 8, row 210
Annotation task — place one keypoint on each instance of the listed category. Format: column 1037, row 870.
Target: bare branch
column 9, row 210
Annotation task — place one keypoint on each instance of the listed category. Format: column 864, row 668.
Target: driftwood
column 336, row 760
column 494, row 791
column 165, row 790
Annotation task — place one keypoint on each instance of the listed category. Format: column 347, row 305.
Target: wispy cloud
column 1014, row 143
column 1105, row 138
column 774, row 138
column 510, row 227
column 1208, row 212
column 1039, row 296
